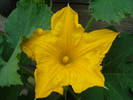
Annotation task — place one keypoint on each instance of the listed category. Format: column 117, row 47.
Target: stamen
column 65, row 59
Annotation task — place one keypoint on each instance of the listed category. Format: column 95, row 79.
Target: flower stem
column 65, row 92
column 69, row 89
column 89, row 24
column 75, row 97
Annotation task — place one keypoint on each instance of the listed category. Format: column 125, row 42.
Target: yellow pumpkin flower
column 66, row 55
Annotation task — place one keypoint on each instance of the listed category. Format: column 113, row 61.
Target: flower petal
column 65, row 20
column 95, row 45
column 47, row 79
column 81, row 76
column 41, row 40
column 29, row 44
column 90, row 53
column 65, row 24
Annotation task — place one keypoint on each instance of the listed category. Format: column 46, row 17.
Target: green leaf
column 95, row 93
column 111, row 10
column 5, row 48
column 118, row 68
column 99, row 93
column 1, row 45
column 8, row 72
column 27, row 17
column 22, row 22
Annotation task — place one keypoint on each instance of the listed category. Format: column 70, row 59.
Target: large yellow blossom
column 66, row 55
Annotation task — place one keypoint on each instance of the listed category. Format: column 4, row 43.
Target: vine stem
column 65, row 92
column 74, row 95
column 89, row 24
column 68, row 89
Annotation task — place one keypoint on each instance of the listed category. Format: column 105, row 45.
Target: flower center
column 65, row 60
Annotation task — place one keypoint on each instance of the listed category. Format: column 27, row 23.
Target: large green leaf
column 8, row 72
column 22, row 21
column 2, row 62
column 26, row 18
column 5, row 48
column 111, row 10
column 99, row 93
column 95, row 93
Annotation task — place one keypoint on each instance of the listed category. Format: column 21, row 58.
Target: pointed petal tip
column 68, row 4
